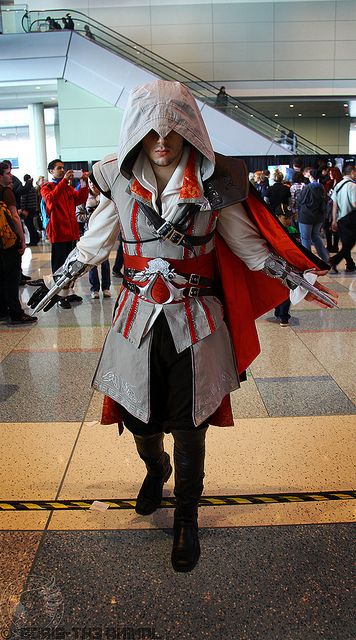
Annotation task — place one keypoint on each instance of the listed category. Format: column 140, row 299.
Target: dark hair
column 3, row 165
column 8, row 163
column 53, row 163
column 313, row 173
column 298, row 177
column 349, row 169
column 27, row 177
column 297, row 162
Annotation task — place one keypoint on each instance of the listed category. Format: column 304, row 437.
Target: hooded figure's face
column 163, row 151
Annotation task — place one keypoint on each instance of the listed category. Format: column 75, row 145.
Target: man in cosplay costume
column 198, row 256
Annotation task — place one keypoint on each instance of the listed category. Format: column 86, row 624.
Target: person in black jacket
column 279, row 193
column 28, row 209
column 312, row 210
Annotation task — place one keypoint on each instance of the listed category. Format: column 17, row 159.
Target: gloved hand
column 38, row 295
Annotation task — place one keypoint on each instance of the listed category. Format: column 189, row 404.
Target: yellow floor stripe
column 168, row 502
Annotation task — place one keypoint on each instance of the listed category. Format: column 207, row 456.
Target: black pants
column 119, row 260
column 347, row 230
column 171, row 387
column 282, row 310
column 60, row 251
column 34, row 236
column 10, row 272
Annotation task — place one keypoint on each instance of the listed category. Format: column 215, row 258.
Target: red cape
column 246, row 296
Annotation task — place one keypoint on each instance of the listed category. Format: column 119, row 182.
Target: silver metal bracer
column 65, row 275
column 277, row 267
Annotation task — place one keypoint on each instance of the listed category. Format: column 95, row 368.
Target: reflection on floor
column 275, row 569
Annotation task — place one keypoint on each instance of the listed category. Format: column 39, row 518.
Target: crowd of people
column 319, row 203
column 57, row 212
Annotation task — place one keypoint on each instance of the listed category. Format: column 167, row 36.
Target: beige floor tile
column 274, row 455
column 267, row 455
column 34, row 457
column 23, row 520
column 64, row 338
column 104, row 465
column 283, row 354
column 336, row 352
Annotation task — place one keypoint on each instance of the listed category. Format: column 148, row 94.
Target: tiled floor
column 268, row 571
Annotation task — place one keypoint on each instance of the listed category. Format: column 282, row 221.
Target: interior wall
column 88, row 126
column 236, row 41
column 331, row 134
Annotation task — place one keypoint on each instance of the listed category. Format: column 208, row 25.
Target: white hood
column 163, row 106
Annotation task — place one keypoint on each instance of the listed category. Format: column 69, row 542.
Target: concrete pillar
column 38, row 138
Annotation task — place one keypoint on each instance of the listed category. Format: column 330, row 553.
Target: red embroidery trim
column 134, row 230
column 130, row 317
column 190, row 187
column 188, row 312
column 139, row 190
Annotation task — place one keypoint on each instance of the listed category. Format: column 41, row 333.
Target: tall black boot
column 150, row 449
column 189, row 455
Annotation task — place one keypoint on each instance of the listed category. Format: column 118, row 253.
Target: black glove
column 38, row 295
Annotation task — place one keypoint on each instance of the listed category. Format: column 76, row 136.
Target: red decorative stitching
column 138, row 248
column 130, row 318
column 188, row 312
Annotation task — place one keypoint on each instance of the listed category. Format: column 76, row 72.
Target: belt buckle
column 194, row 278
column 168, row 232
column 193, row 292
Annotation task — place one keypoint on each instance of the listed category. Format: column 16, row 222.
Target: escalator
column 257, row 133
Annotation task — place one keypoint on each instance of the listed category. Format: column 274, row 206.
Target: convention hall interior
column 276, row 518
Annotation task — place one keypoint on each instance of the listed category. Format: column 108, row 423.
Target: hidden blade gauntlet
column 50, row 292
column 276, row 267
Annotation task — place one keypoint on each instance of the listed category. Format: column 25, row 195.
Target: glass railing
column 52, row 19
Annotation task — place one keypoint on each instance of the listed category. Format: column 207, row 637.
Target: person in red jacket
column 61, row 200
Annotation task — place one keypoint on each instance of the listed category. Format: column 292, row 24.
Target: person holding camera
column 61, row 200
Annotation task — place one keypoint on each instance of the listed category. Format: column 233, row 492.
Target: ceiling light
column 276, row 115
column 323, row 114
column 345, row 104
column 291, row 105
column 38, row 87
column 299, row 114
column 53, row 98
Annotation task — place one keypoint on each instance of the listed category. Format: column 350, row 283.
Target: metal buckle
column 194, row 278
column 168, row 232
column 193, row 292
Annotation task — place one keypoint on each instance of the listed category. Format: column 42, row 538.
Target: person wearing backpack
column 12, row 246
column 311, row 213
